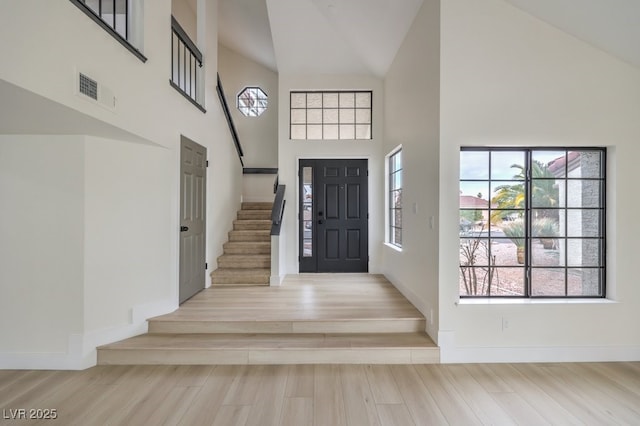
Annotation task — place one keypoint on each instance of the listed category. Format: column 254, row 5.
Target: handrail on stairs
column 277, row 211
column 227, row 114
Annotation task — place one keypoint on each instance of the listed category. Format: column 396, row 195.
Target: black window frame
column 393, row 209
column 322, row 123
column 528, row 180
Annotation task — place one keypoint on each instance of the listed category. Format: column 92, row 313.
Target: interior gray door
column 334, row 215
column 192, row 217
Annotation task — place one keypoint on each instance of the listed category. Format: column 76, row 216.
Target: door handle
column 320, row 222
column 184, row 228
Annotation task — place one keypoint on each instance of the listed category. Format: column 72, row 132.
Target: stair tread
column 186, row 342
column 245, row 271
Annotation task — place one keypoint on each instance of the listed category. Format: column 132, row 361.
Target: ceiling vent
column 91, row 90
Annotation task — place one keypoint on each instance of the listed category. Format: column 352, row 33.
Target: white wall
column 290, row 151
column 509, row 79
column 258, row 135
column 121, row 264
column 412, row 103
column 41, row 243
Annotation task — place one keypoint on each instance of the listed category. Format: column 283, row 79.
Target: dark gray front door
column 193, row 188
column 334, row 215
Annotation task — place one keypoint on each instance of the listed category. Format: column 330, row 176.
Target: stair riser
column 254, row 215
column 257, row 206
column 269, row 356
column 245, row 225
column 250, row 236
column 239, row 280
column 247, row 250
column 243, row 264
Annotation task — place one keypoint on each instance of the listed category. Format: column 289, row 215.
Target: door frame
column 299, row 215
column 179, row 224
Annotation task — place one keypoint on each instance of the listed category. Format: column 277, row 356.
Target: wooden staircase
column 247, row 255
column 324, row 319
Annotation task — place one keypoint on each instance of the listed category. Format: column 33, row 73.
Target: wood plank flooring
column 470, row 394
column 310, row 319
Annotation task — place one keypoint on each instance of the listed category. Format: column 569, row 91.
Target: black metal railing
column 115, row 17
column 186, row 64
column 227, row 114
column 277, row 211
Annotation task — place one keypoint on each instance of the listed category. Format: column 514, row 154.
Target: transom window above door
column 331, row 115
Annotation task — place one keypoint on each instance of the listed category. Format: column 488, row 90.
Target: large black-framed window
column 532, row 222
column 330, row 115
column 394, row 197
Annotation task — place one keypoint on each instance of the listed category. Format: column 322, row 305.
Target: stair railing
column 227, row 114
column 277, row 211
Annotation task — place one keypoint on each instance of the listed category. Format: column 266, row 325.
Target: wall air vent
column 88, row 86
column 91, row 90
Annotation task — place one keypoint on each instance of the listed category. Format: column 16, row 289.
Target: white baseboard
column 81, row 353
column 451, row 354
column 276, row 280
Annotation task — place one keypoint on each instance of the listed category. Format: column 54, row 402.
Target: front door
column 193, row 163
column 334, row 221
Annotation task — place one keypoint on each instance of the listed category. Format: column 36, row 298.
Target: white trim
column 81, row 350
column 450, row 354
column 471, row 301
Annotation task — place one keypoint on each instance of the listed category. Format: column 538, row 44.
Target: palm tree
column 544, row 193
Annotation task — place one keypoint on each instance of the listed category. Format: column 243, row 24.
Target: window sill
column 394, row 247
column 514, row 301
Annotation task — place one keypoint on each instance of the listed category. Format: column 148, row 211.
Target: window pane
column 508, row 195
column 314, row 116
column 347, row 100
column 363, row 100
column 298, row 116
column 298, row 132
column 471, row 220
column 505, row 253
column 473, row 190
column 584, row 282
column 347, row 132
column 363, row 116
column 298, row 100
column 548, row 281
column 506, row 282
column 474, row 165
column 330, row 100
column 314, row 131
column 545, row 227
column 546, row 192
column 507, row 165
column 330, row 116
column 330, row 131
column 583, row 252
column 548, row 252
column 548, row 163
column 347, row 116
column 583, row 193
column 583, row 223
column 587, row 163
column 363, row 131
column 314, row 100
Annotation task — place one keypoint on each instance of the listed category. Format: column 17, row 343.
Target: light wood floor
column 310, row 319
column 474, row 394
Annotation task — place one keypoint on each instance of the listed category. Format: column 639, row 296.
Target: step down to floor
column 290, row 348
column 244, row 247
column 169, row 324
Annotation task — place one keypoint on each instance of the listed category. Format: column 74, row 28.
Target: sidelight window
column 394, row 197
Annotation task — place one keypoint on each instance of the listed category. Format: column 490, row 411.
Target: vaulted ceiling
column 363, row 36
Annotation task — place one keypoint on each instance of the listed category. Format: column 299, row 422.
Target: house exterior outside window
column 394, row 197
